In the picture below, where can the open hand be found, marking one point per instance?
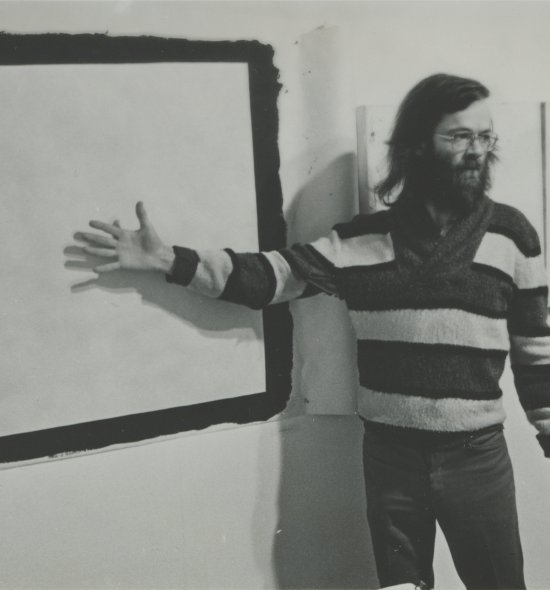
(140, 249)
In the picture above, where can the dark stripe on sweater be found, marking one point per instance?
(533, 394)
(315, 258)
(528, 313)
(534, 292)
(405, 348)
(376, 223)
(185, 266)
(532, 385)
(544, 441)
(310, 291)
(251, 282)
(311, 266)
(446, 303)
(532, 372)
(378, 267)
(492, 271)
(390, 288)
(397, 367)
(530, 331)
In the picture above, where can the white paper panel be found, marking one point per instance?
(88, 141)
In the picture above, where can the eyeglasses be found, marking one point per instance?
(463, 140)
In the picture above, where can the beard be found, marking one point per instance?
(450, 186)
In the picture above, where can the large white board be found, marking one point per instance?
(88, 141)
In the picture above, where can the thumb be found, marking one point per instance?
(141, 215)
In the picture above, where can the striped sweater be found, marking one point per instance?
(435, 317)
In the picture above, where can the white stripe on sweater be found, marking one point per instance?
(366, 250)
(501, 253)
(530, 350)
(432, 326)
(328, 246)
(497, 251)
(444, 415)
(288, 286)
(530, 272)
(212, 273)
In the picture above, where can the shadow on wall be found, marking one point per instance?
(212, 318)
(327, 198)
(324, 375)
(322, 539)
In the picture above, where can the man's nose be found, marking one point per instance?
(475, 147)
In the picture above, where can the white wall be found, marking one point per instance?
(277, 505)
(261, 506)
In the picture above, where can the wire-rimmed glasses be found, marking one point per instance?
(462, 140)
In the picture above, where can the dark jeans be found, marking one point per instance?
(462, 480)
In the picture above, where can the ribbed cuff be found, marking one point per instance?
(544, 441)
(185, 266)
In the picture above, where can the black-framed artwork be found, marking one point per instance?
(92, 123)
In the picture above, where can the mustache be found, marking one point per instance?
(472, 163)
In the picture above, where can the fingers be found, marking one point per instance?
(141, 215)
(107, 267)
(109, 228)
(101, 245)
(98, 239)
(105, 252)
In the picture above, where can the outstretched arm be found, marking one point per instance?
(252, 279)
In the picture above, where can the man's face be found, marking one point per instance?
(461, 172)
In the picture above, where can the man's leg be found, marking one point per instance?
(401, 521)
(475, 504)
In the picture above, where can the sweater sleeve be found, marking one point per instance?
(530, 335)
(262, 278)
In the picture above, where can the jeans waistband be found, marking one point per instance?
(428, 437)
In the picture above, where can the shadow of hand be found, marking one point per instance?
(211, 316)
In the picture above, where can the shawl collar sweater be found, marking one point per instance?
(435, 316)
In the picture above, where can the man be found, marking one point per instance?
(440, 286)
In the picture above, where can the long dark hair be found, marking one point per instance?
(416, 119)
